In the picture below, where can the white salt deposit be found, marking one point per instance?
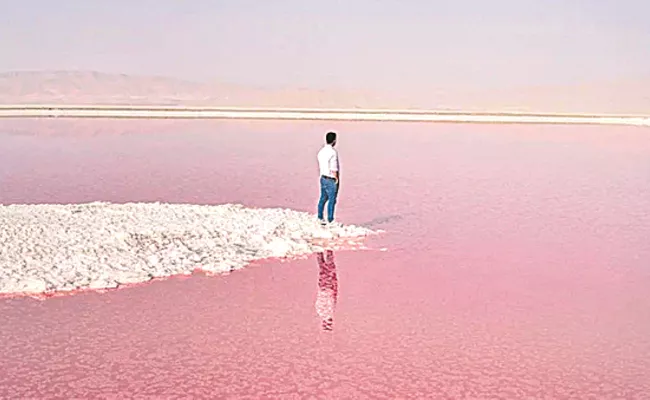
(48, 248)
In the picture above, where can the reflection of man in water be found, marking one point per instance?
(327, 288)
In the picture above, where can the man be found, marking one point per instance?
(328, 163)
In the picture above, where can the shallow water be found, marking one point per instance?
(516, 266)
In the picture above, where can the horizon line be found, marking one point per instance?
(296, 113)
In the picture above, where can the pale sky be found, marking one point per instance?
(366, 44)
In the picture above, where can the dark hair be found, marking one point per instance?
(330, 137)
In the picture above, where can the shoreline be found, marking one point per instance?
(314, 114)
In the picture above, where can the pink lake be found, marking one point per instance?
(516, 265)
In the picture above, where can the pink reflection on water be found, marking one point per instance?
(517, 267)
(328, 288)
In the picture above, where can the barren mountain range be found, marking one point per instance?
(81, 87)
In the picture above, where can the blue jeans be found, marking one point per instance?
(328, 191)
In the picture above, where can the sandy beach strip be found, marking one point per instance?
(179, 112)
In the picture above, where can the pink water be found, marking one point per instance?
(517, 266)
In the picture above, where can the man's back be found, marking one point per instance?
(328, 160)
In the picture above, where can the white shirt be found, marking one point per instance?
(328, 160)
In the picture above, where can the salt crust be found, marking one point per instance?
(51, 248)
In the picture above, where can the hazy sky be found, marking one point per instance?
(385, 44)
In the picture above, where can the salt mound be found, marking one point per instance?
(47, 248)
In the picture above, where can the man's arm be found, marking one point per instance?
(334, 167)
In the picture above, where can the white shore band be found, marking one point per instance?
(51, 248)
(117, 111)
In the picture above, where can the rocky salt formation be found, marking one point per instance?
(50, 248)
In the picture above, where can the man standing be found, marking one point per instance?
(328, 163)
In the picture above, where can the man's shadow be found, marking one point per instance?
(327, 288)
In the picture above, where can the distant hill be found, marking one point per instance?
(621, 96)
(66, 87)
(73, 87)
